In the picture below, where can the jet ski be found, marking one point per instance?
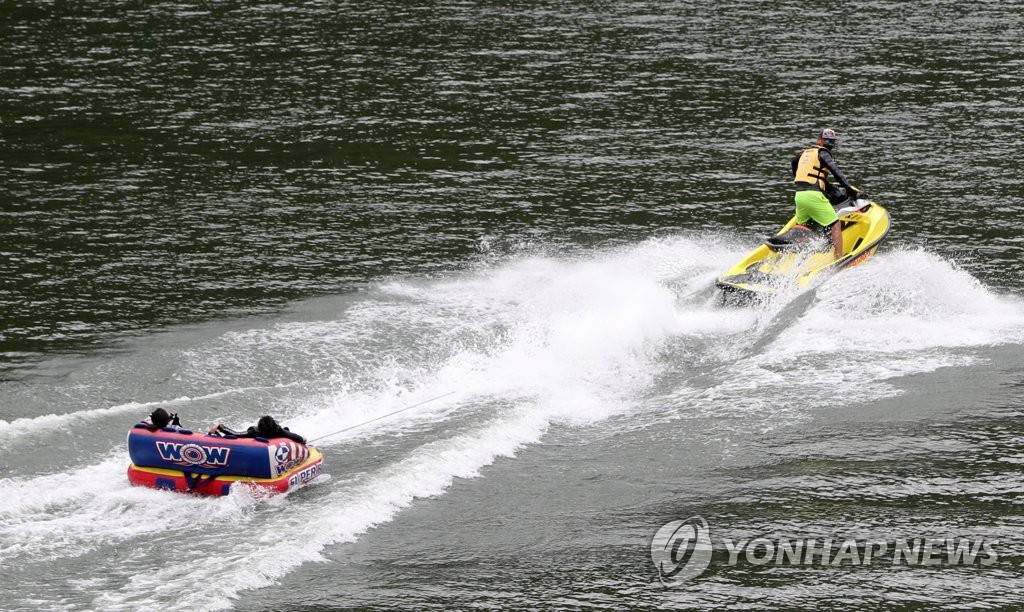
(798, 256)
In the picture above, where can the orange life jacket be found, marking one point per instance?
(809, 168)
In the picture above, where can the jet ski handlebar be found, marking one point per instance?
(852, 204)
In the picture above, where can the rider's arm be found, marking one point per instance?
(826, 158)
(219, 429)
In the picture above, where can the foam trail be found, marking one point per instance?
(70, 514)
(906, 301)
(904, 312)
(528, 344)
(577, 333)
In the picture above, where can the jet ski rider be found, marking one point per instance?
(810, 172)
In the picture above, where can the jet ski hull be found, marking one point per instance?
(770, 269)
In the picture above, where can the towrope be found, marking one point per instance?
(681, 550)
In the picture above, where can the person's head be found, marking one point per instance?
(160, 418)
(827, 138)
(267, 425)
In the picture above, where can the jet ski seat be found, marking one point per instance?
(797, 238)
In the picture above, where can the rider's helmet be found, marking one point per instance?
(827, 137)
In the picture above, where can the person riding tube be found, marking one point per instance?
(266, 427)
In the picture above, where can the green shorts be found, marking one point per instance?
(813, 204)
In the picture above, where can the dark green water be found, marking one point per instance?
(333, 209)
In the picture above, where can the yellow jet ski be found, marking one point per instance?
(798, 256)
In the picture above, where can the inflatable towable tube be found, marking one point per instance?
(180, 460)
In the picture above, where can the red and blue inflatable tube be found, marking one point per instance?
(181, 460)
